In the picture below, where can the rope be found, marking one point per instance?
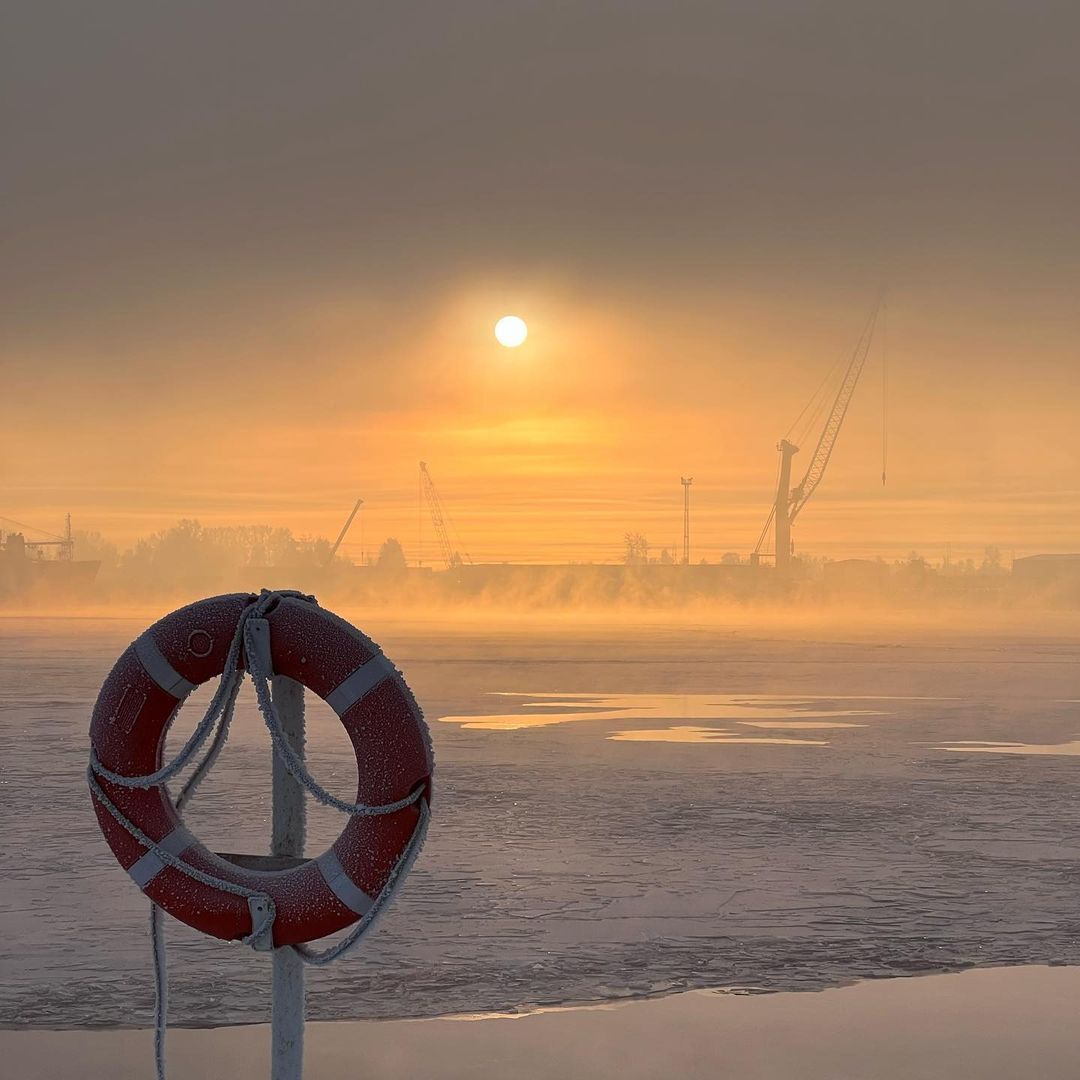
(284, 750)
(31, 528)
(218, 720)
(816, 403)
(196, 778)
(884, 394)
(397, 876)
(178, 864)
(223, 698)
(772, 509)
(161, 987)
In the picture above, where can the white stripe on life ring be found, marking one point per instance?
(341, 885)
(150, 865)
(362, 681)
(159, 669)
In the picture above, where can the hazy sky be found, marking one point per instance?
(253, 252)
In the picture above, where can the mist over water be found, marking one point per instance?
(169, 568)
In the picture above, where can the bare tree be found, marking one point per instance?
(636, 549)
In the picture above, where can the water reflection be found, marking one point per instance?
(759, 711)
(706, 735)
(973, 746)
(801, 725)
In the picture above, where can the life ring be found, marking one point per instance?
(139, 700)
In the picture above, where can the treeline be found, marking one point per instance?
(189, 560)
(189, 555)
(189, 549)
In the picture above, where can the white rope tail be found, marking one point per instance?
(253, 636)
(161, 987)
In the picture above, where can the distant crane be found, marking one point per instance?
(441, 520)
(344, 530)
(790, 500)
(65, 543)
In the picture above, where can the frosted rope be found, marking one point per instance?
(397, 876)
(161, 988)
(295, 765)
(220, 714)
(226, 691)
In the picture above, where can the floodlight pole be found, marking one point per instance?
(287, 1009)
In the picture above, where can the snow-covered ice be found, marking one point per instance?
(722, 810)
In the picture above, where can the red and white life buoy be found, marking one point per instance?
(331, 658)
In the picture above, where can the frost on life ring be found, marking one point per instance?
(331, 658)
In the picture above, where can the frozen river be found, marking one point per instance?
(620, 811)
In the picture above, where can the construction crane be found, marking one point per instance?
(789, 500)
(441, 520)
(344, 530)
(65, 543)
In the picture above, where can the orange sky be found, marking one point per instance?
(552, 451)
(254, 257)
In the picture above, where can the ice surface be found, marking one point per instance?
(564, 865)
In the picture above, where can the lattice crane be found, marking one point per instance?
(790, 500)
(440, 519)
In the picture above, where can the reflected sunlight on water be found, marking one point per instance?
(1065, 749)
(763, 711)
(705, 735)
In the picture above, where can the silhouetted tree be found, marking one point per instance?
(391, 558)
(193, 556)
(312, 551)
(92, 545)
(252, 545)
(636, 549)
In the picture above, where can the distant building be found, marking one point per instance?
(1046, 571)
(855, 575)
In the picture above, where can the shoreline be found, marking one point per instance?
(582, 1005)
(993, 1023)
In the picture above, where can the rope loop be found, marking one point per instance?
(249, 650)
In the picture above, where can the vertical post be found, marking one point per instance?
(686, 482)
(287, 1010)
(782, 520)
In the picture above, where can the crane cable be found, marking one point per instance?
(884, 393)
(814, 405)
(33, 529)
(772, 510)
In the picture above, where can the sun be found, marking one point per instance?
(511, 331)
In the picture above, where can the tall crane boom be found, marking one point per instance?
(801, 493)
(439, 519)
(344, 531)
(789, 500)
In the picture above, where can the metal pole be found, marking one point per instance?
(686, 482)
(287, 1010)
(782, 510)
